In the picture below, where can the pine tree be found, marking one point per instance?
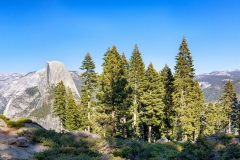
(72, 112)
(168, 79)
(152, 100)
(136, 72)
(222, 117)
(124, 114)
(59, 104)
(88, 89)
(112, 86)
(195, 110)
(183, 95)
(210, 119)
(229, 103)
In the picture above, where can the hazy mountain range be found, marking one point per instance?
(31, 95)
(213, 83)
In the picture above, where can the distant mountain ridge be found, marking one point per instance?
(213, 83)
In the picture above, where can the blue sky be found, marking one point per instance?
(35, 31)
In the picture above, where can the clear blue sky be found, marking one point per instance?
(35, 31)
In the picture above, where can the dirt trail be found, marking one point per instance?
(9, 131)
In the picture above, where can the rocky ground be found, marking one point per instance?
(14, 145)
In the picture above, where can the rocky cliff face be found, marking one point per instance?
(31, 95)
(213, 83)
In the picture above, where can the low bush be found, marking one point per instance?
(202, 149)
(64, 146)
(19, 123)
(131, 149)
(225, 138)
(4, 118)
(230, 152)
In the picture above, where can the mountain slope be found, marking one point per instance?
(213, 83)
(31, 95)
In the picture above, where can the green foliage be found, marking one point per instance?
(230, 152)
(168, 79)
(62, 146)
(202, 149)
(72, 113)
(225, 138)
(59, 104)
(88, 92)
(152, 113)
(130, 149)
(229, 103)
(136, 75)
(187, 96)
(19, 123)
(32, 91)
(4, 118)
(112, 91)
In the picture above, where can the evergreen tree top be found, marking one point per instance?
(88, 63)
(124, 57)
(135, 48)
(184, 62)
(150, 66)
(136, 63)
(184, 46)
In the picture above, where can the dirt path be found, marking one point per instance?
(9, 131)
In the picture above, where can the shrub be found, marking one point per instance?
(225, 138)
(230, 152)
(64, 146)
(4, 118)
(203, 149)
(19, 123)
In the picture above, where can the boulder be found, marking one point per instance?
(162, 140)
(85, 135)
(9, 140)
(29, 127)
(2, 123)
(2, 135)
(22, 142)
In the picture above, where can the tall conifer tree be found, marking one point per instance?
(210, 119)
(124, 114)
(152, 100)
(184, 93)
(59, 104)
(136, 72)
(89, 77)
(230, 104)
(112, 85)
(72, 112)
(168, 79)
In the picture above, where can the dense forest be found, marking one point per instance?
(129, 100)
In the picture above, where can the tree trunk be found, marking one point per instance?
(61, 127)
(229, 125)
(149, 133)
(113, 123)
(135, 104)
(124, 128)
(134, 119)
(89, 105)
